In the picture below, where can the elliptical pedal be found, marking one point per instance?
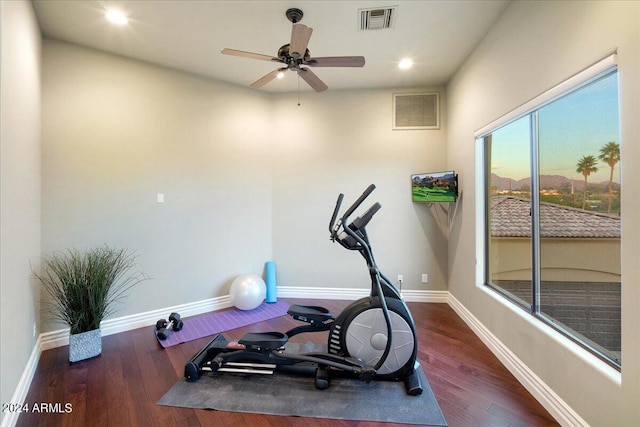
(264, 340)
(310, 313)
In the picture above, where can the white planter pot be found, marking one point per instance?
(85, 345)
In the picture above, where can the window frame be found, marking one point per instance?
(599, 70)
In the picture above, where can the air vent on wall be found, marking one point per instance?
(377, 18)
(416, 111)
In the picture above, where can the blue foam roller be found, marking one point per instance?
(270, 273)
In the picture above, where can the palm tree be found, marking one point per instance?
(610, 154)
(586, 165)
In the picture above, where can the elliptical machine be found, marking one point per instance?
(373, 338)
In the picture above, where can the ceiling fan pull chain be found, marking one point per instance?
(298, 89)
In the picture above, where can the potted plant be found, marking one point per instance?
(83, 287)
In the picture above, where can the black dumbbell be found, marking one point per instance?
(164, 328)
(174, 318)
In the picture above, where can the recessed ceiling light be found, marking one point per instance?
(405, 63)
(280, 75)
(117, 17)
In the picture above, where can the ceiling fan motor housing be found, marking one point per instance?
(285, 57)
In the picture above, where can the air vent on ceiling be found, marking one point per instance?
(377, 18)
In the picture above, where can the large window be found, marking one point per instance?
(552, 211)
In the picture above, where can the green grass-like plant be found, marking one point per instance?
(84, 285)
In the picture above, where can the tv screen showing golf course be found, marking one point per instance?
(435, 187)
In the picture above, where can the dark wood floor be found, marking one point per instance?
(121, 386)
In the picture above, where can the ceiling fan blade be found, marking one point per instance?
(300, 36)
(336, 61)
(251, 55)
(312, 80)
(266, 79)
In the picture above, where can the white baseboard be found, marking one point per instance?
(425, 296)
(60, 337)
(545, 395)
(21, 391)
(540, 391)
(321, 293)
(353, 294)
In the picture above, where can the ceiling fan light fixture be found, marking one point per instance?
(116, 17)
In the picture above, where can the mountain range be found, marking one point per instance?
(550, 182)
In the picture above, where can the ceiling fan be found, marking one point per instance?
(295, 54)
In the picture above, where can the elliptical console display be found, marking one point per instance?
(374, 338)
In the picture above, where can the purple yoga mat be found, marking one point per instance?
(214, 323)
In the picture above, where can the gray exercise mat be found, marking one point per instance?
(283, 394)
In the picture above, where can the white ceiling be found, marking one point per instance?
(188, 35)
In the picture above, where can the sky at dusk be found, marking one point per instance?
(576, 125)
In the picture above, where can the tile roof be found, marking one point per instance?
(510, 217)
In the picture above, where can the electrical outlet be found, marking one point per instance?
(425, 278)
(35, 329)
(400, 279)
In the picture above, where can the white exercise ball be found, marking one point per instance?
(248, 291)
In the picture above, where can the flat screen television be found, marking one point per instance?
(435, 187)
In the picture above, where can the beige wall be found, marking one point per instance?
(20, 188)
(341, 141)
(533, 47)
(116, 133)
(247, 177)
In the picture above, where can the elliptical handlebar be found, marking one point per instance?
(334, 227)
(358, 202)
(335, 213)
